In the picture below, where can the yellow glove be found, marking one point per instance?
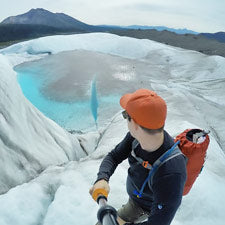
(101, 187)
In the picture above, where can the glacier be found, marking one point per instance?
(46, 171)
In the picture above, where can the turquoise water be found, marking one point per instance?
(75, 115)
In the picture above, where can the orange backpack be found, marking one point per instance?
(193, 143)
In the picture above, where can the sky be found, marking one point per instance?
(196, 15)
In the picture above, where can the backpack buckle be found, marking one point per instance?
(146, 165)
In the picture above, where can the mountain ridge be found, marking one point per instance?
(159, 28)
(219, 36)
(40, 22)
(198, 43)
(44, 17)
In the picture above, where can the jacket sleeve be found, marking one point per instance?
(168, 192)
(115, 157)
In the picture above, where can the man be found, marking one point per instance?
(145, 112)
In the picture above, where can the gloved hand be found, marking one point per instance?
(101, 187)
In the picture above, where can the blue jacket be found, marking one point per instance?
(165, 197)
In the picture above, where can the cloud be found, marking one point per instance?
(157, 8)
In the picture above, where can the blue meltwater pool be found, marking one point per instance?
(72, 115)
(76, 89)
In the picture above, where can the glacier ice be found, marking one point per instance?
(46, 171)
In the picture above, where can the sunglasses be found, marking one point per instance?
(126, 115)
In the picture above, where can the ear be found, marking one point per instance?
(135, 125)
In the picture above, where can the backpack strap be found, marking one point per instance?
(159, 162)
(145, 164)
(171, 153)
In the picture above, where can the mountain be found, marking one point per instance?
(40, 22)
(219, 36)
(44, 17)
(194, 42)
(158, 28)
(12, 32)
(161, 28)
